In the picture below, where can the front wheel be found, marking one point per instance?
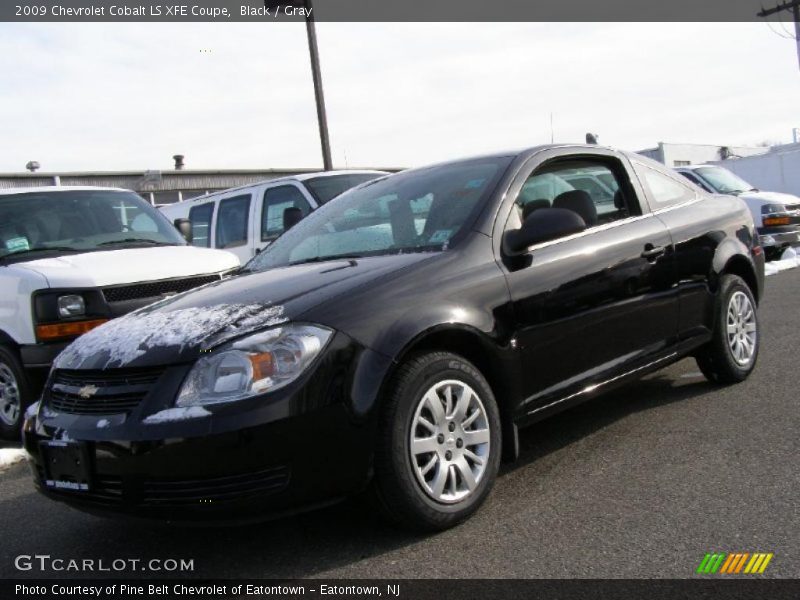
(440, 444)
(14, 396)
(731, 354)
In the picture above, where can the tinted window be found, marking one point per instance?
(326, 188)
(414, 211)
(200, 216)
(80, 220)
(590, 188)
(277, 200)
(664, 189)
(233, 218)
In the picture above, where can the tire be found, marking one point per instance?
(461, 462)
(723, 360)
(15, 395)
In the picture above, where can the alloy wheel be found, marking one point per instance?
(9, 396)
(449, 441)
(741, 328)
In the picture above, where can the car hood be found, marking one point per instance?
(177, 329)
(129, 265)
(769, 198)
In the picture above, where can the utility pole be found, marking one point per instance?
(786, 6)
(316, 73)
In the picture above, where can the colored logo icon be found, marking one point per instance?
(722, 563)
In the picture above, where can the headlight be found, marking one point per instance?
(768, 209)
(258, 363)
(71, 306)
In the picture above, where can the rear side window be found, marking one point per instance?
(200, 216)
(664, 190)
(232, 221)
(277, 200)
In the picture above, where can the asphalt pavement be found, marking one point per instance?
(638, 483)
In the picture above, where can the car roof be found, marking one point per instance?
(299, 177)
(58, 188)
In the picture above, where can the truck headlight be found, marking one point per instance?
(259, 363)
(71, 306)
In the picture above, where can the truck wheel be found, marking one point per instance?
(439, 442)
(731, 354)
(14, 395)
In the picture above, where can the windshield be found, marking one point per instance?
(328, 187)
(81, 220)
(723, 181)
(412, 211)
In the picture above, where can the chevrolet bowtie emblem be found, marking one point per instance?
(87, 391)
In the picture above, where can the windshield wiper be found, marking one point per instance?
(317, 259)
(135, 240)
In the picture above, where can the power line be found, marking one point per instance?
(792, 6)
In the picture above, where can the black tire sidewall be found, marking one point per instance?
(397, 481)
(9, 358)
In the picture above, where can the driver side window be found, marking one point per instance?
(591, 188)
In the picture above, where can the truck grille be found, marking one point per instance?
(99, 392)
(154, 289)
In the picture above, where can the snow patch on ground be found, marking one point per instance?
(177, 414)
(776, 266)
(122, 340)
(11, 456)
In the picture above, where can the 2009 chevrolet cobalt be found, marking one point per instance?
(398, 337)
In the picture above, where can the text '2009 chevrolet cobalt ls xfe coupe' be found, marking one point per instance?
(398, 337)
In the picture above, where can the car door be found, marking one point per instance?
(232, 225)
(275, 200)
(594, 305)
(695, 229)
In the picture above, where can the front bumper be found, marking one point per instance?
(779, 237)
(301, 446)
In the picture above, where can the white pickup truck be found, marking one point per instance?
(72, 258)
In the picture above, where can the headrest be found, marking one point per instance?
(580, 202)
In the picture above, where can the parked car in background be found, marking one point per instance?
(71, 258)
(776, 215)
(398, 337)
(244, 220)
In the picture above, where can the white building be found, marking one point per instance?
(776, 171)
(680, 155)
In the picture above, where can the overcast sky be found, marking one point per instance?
(119, 96)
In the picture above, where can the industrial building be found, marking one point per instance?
(681, 155)
(157, 187)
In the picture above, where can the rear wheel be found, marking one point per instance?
(14, 395)
(731, 354)
(439, 448)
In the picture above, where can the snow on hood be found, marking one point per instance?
(120, 342)
(130, 265)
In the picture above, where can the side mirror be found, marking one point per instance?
(185, 227)
(542, 225)
(291, 217)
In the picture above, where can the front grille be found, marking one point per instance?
(219, 489)
(99, 392)
(154, 289)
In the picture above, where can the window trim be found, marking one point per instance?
(272, 238)
(197, 207)
(222, 201)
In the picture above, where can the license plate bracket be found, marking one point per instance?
(66, 466)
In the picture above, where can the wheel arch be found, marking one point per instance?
(497, 364)
(740, 266)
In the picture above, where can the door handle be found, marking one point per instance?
(651, 252)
